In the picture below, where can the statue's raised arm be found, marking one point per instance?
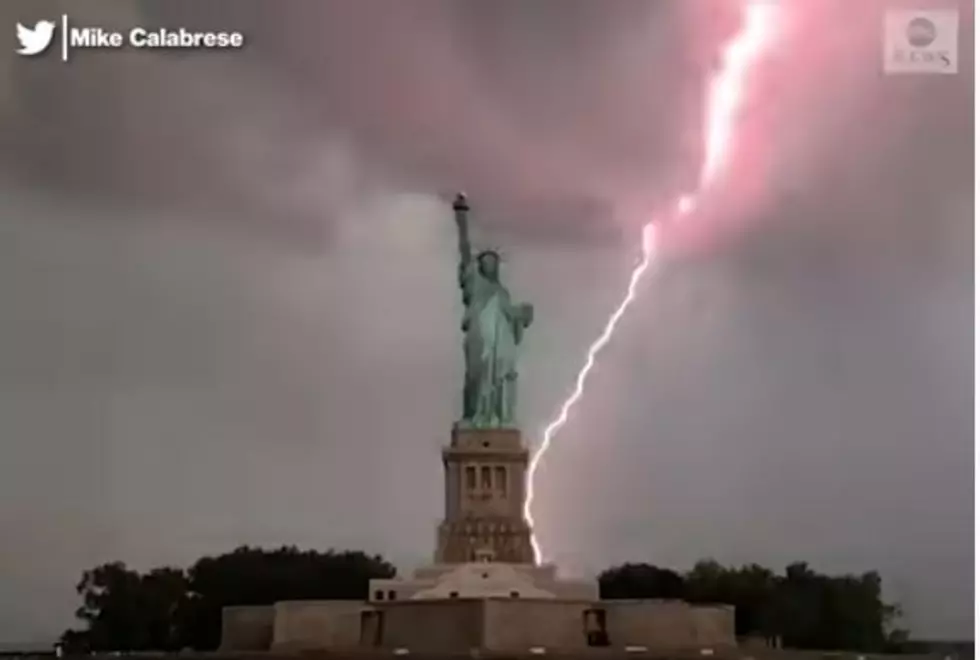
(461, 207)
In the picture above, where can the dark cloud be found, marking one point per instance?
(548, 112)
(229, 287)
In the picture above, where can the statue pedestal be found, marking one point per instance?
(486, 471)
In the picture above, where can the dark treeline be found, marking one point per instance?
(805, 609)
(170, 608)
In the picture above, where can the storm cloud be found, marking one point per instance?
(230, 313)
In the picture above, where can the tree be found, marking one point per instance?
(640, 581)
(806, 609)
(163, 593)
(250, 576)
(127, 611)
(752, 589)
(168, 608)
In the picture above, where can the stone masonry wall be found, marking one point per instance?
(247, 627)
(520, 624)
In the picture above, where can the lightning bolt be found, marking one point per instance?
(726, 94)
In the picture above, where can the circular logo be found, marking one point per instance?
(921, 32)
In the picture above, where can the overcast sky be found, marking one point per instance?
(229, 309)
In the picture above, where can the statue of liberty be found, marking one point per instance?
(493, 328)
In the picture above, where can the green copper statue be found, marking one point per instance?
(493, 328)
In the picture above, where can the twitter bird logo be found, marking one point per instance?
(35, 41)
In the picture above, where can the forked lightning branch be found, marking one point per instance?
(37, 39)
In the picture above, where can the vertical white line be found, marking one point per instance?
(64, 37)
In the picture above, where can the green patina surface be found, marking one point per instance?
(493, 328)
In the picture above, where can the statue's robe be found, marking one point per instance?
(492, 330)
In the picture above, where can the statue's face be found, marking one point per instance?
(489, 265)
